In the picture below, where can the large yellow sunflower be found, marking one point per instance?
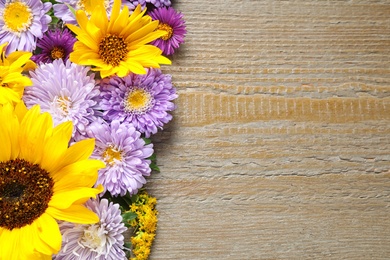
(12, 81)
(119, 44)
(41, 180)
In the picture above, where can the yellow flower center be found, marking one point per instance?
(57, 53)
(137, 101)
(168, 29)
(17, 16)
(25, 191)
(113, 49)
(63, 104)
(94, 238)
(110, 155)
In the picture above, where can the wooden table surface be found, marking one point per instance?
(280, 145)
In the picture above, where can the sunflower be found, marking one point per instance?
(117, 44)
(12, 81)
(41, 180)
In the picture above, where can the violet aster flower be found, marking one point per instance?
(100, 241)
(173, 23)
(22, 22)
(66, 91)
(158, 3)
(55, 44)
(143, 100)
(150, 4)
(125, 154)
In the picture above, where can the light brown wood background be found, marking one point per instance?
(280, 145)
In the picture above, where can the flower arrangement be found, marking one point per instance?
(81, 94)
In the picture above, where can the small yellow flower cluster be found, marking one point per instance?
(145, 225)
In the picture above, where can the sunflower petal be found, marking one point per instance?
(49, 234)
(76, 213)
(63, 200)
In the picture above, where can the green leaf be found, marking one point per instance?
(154, 167)
(147, 140)
(128, 216)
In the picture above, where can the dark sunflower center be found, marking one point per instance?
(113, 49)
(25, 191)
(57, 53)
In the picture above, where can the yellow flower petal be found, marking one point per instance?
(49, 234)
(127, 34)
(78, 174)
(63, 200)
(76, 214)
(56, 146)
(33, 131)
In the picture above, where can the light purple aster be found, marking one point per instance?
(125, 154)
(66, 91)
(62, 11)
(100, 241)
(55, 44)
(158, 3)
(150, 4)
(173, 23)
(22, 22)
(143, 100)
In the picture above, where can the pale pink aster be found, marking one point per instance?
(66, 91)
(125, 154)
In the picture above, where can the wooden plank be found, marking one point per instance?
(279, 147)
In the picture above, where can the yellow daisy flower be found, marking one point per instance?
(119, 44)
(12, 82)
(42, 180)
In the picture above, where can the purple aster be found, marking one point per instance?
(158, 3)
(22, 22)
(62, 11)
(66, 91)
(143, 100)
(173, 23)
(100, 241)
(125, 154)
(55, 44)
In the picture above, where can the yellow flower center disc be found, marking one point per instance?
(17, 16)
(168, 29)
(25, 191)
(113, 49)
(137, 101)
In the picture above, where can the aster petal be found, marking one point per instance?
(75, 213)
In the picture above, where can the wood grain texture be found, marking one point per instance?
(280, 144)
